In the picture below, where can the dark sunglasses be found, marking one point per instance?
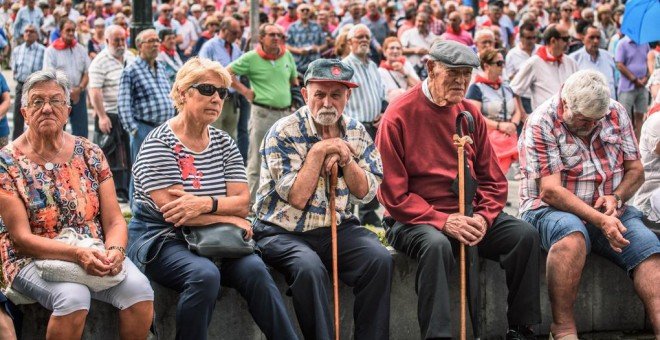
(565, 39)
(208, 90)
(499, 63)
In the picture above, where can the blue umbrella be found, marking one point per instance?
(640, 21)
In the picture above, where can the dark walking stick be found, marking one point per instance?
(460, 141)
(333, 229)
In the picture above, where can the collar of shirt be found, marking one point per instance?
(358, 60)
(146, 65)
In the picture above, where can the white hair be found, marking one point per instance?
(44, 76)
(587, 93)
(112, 30)
(483, 32)
(354, 29)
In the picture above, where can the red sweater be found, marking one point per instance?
(420, 162)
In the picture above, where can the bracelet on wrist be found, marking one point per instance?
(119, 248)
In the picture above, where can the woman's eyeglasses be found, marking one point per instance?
(499, 63)
(208, 90)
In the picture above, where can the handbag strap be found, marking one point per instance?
(504, 108)
(166, 233)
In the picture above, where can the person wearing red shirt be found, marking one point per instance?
(420, 166)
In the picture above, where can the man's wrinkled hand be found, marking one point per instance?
(613, 230)
(465, 229)
(607, 205)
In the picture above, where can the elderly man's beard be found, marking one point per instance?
(575, 130)
(326, 116)
(116, 52)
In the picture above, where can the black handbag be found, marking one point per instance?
(221, 240)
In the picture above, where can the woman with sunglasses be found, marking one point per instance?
(189, 173)
(498, 106)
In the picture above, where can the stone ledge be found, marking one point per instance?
(606, 302)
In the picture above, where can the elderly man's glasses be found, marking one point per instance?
(55, 103)
(208, 90)
(152, 41)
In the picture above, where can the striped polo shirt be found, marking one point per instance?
(104, 73)
(366, 100)
(164, 161)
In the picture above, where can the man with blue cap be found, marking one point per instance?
(420, 159)
(292, 225)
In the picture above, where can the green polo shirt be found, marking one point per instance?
(269, 79)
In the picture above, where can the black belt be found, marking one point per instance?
(152, 124)
(271, 107)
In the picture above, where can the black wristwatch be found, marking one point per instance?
(214, 206)
(619, 201)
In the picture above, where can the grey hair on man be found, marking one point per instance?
(482, 33)
(587, 93)
(140, 36)
(355, 29)
(113, 29)
(45, 76)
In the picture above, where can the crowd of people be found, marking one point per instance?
(203, 123)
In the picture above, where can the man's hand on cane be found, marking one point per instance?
(465, 229)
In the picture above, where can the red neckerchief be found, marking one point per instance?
(165, 22)
(487, 23)
(266, 56)
(386, 65)
(543, 53)
(59, 44)
(467, 27)
(373, 17)
(183, 21)
(494, 84)
(207, 34)
(169, 52)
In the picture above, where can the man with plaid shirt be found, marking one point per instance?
(581, 164)
(144, 92)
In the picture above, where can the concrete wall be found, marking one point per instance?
(606, 302)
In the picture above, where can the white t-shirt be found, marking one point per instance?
(412, 39)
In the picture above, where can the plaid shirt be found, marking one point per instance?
(283, 154)
(144, 95)
(588, 170)
(26, 60)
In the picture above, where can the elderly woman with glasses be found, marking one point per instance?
(499, 107)
(397, 73)
(189, 173)
(51, 180)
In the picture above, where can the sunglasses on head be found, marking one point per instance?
(208, 90)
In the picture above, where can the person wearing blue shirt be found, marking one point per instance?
(28, 14)
(5, 100)
(594, 58)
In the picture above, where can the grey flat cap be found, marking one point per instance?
(453, 54)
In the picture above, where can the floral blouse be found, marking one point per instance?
(66, 196)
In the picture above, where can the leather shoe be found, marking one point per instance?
(520, 334)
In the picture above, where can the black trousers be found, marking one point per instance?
(511, 242)
(367, 212)
(305, 259)
(19, 121)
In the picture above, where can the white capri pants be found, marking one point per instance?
(66, 297)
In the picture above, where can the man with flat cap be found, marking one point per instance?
(422, 220)
(293, 220)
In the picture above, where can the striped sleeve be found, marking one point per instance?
(234, 168)
(539, 152)
(156, 166)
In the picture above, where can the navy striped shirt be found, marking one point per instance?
(164, 161)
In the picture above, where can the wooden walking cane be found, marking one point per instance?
(333, 229)
(460, 142)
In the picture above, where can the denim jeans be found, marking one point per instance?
(78, 116)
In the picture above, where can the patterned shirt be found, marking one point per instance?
(588, 170)
(104, 73)
(66, 196)
(283, 152)
(366, 100)
(301, 36)
(144, 94)
(26, 60)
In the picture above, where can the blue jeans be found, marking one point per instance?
(136, 142)
(553, 225)
(198, 281)
(78, 116)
